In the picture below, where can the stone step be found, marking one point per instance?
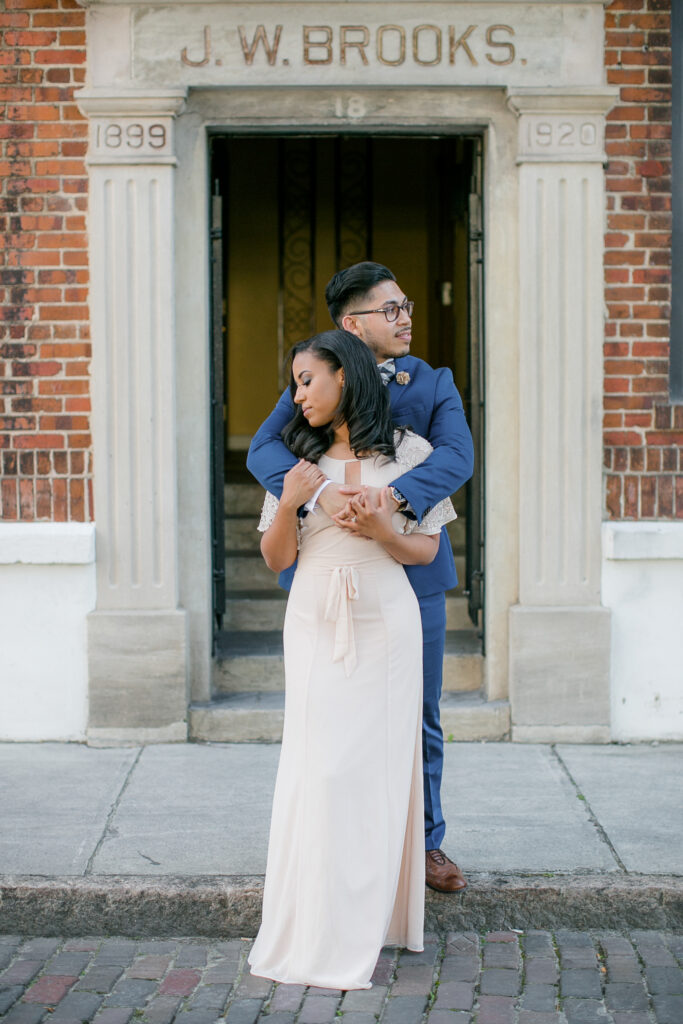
(468, 716)
(257, 717)
(256, 610)
(457, 616)
(243, 499)
(246, 570)
(253, 662)
(241, 533)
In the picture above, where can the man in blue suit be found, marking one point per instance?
(366, 300)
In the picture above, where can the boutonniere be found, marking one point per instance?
(403, 377)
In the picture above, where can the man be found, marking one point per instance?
(366, 300)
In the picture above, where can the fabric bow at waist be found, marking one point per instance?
(342, 589)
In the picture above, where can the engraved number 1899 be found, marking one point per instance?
(115, 135)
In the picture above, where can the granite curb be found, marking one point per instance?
(230, 906)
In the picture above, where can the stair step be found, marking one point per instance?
(247, 570)
(243, 499)
(256, 610)
(457, 615)
(456, 531)
(252, 661)
(257, 717)
(467, 716)
(241, 533)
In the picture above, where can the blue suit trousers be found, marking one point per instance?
(433, 612)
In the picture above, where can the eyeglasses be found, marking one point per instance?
(391, 311)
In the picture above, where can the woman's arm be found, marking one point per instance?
(374, 520)
(278, 543)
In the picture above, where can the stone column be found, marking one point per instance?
(559, 632)
(137, 651)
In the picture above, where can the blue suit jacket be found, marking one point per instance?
(431, 406)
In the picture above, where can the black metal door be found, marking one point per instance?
(475, 489)
(217, 409)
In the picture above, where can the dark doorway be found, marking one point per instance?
(287, 212)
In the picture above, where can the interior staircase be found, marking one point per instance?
(247, 705)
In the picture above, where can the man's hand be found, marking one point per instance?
(301, 483)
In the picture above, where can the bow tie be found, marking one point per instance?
(387, 370)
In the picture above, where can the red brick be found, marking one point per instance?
(631, 490)
(8, 493)
(59, 502)
(623, 366)
(179, 982)
(625, 76)
(637, 419)
(49, 990)
(617, 257)
(652, 276)
(648, 492)
(650, 348)
(623, 113)
(60, 20)
(650, 131)
(63, 312)
(665, 497)
(38, 441)
(79, 440)
(613, 496)
(623, 437)
(63, 387)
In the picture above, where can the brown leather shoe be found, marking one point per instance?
(442, 874)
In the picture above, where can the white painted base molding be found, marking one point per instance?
(642, 583)
(47, 589)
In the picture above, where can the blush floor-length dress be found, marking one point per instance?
(346, 860)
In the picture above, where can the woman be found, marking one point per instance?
(345, 870)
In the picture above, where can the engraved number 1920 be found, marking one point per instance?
(115, 135)
(563, 134)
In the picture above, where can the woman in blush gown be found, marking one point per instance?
(345, 872)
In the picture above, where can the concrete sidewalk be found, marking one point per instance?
(172, 839)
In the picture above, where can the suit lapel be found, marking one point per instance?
(398, 392)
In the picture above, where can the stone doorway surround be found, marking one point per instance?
(548, 637)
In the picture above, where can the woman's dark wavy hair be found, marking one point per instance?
(364, 405)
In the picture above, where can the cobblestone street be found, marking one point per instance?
(535, 977)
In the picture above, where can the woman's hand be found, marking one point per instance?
(368, 514)
(301, 483)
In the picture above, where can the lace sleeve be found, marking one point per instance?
(413, 450)
(270, 507)
(270, 504)
(436, 518)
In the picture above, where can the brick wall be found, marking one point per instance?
(643, 433)
(45, 448)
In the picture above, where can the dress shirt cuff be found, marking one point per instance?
(311, 503)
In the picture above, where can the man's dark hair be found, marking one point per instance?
(349, 286)
(364, 405)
